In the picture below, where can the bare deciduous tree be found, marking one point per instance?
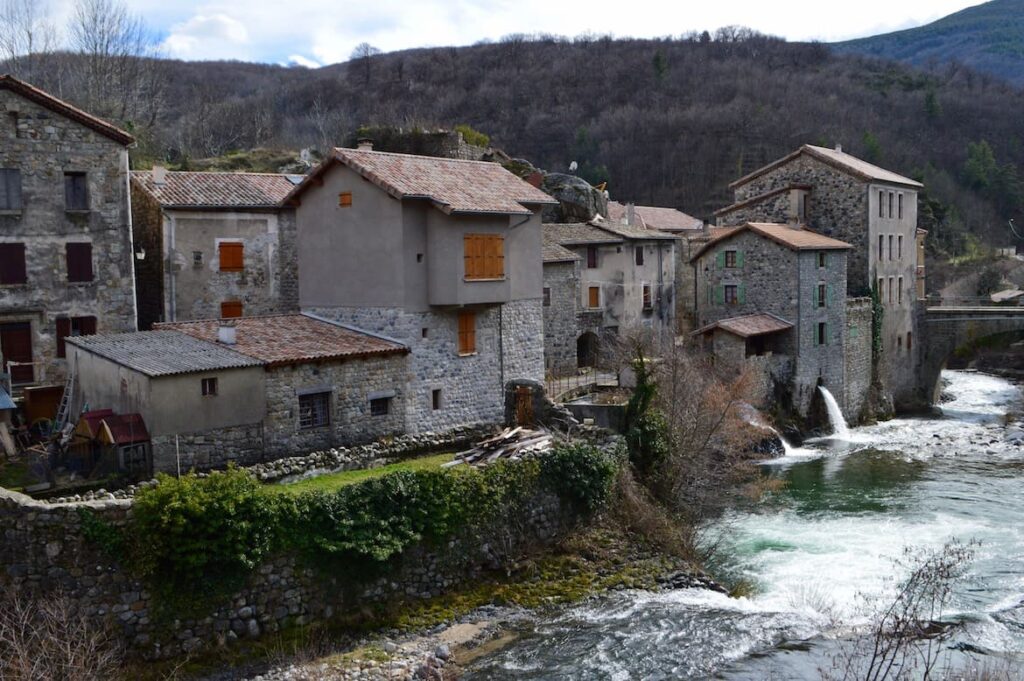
(363, 56)
(26, 35)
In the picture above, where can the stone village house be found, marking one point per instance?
(65, 233)
(872, 209)
(773, 298)
(214, 392)
(440, 255)
(213, 245)
(601, 277)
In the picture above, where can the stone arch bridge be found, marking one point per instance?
(942, 330)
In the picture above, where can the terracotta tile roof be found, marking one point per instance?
(291, 339)
(186, 189)
(553, 251)
(839, 160)
(749, 325)
(124, 429)
(32, 93)
(656, 217)
(796, 238)
(578, 233)
(162, 353)
(452, 185)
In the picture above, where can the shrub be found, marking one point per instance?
(474, 137)
(580, 475)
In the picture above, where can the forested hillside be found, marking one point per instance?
(665, 122)
(988, 38)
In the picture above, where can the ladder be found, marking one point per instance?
(65, 404)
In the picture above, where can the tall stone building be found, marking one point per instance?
(872, 209)
(65, 231)
(213, 245)
(441, 255)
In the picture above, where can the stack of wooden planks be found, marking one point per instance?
(511, 443)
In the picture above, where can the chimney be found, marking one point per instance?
(159, 176)
(839, 147)
(630, 214)
(226, 333)
(364, 144)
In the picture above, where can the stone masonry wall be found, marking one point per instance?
(287, 260)
(242, 445)
(147, 232)
(775, 208)
(560, 327)
(43, 548)
(820, 363)
(43, 146)
(857, 357)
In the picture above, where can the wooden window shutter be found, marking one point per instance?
(720, 295)
(79, 261)
(345, 199)
(720, 260)
(484, 256)
(76, 194)
(741, 294)
(230, 309)
(232, 256)
(467, 333)
(63, 331)
(87, 326)
(10, 189)
(594, 296)
(739, 258)
(12, 264)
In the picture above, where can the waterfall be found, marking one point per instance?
(754, 418)
(787, 449)
(835, 415)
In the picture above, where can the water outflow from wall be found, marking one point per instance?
(787, 448)
(835, 415)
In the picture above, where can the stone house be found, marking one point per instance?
(625, 278)
(65, 232)
(440, 255)
(213, 245)
(872, 209)
(774, 296)
(247, 390)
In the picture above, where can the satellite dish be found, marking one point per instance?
(573, 166)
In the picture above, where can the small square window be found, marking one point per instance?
(424, 332)
(230, 309)
(345, 199)
(435, 398)
(647, 301)
(639, 255)
(547, 297)
(731, 294)
(419, 257)
(591, 257)
(314, 410)
(822, 259)
(209, 387)
(379, 406)
(730, 258)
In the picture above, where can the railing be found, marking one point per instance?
(560, 388)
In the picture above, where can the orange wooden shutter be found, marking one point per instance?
(231, 256)
(595, 296)
(345, 199)
(484, 256)
(231, 308)
(467, 333)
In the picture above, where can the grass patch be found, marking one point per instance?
(16, 475)
(333, 481)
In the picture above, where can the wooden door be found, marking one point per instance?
(16, 346)
(524, 406)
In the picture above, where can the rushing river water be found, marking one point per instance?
(822, 558)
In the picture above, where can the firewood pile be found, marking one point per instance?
(511, 443)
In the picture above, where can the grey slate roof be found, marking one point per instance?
(162, 353)
(574, 233)
(553, 251)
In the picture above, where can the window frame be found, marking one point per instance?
(78, 257)
(319, 404)
(734, 290)
(76, 191)
(822, 295)
(593, 301)
(638, 256)
(821, 336)
(731, 258)
(10, 186)
(899, 290)
(16, 274)
(822, 259)
(236, 251)
(891, 199)
(436, 399)
(881, 247)
(591, 257)
(483, 257)
(209, 386)
(227, 305)
(899, 247)
(899, 204)
(546, 296)
(881, 203)
(72, 327)
(466, 333)
(646, 297)
(380, 406)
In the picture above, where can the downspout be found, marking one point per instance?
(172, 311)
(501, 350)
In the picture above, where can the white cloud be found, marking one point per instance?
(208, 36)
(299, 60)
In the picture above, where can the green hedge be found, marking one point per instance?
(193, 540)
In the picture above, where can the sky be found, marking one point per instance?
(318, 32)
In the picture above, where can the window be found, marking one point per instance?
(16, 346)
(209, 386)
(890, 204)
(435, 398)
(910, 337)
(484, 255)
(899, 246)
(899, 203)
(899, 291)
(730, 258)
(379, 406)
(801, 206)
(12, 264)
(10, 189)
(881, 204)
(899, 342)
(345, 199)
(822, 335)
(647, 297)
(822, 294)
(822, 259)
(881, 246)
(424, 332)
(594, 296)
(232, 256)
(230, 309)
(892, 285)
(638, 254)
(467, 333)
(731, 297)
(881, 289)
(547, 297)
(197, 258)
(591, 257)
(73, 326)
(419, 257)
(79, 261)
(76, 192)
(890, 247)
(315, 410)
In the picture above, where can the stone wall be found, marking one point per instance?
(43, 146)
(43, 548)
(857, 358)
(509, 345)
(820, 363)
(775, 207)
(147, 231)
(560, 317)
(241, 445)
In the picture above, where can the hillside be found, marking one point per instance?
(665, 122)
(988, 38)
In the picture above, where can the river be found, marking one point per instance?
(822, 555)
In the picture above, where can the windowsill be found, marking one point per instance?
(78, 211)
(23, 284)
(230, 271)
(306, 429)
(475, 279)
(11, 212)
(82, 284)
(468, 354)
